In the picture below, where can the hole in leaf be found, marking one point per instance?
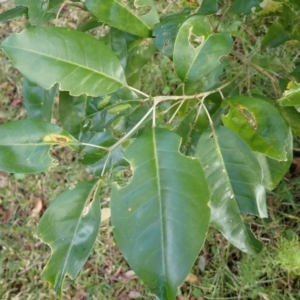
(194, 40)
(137, 9)
(143, 10)
(248, 115)
(88, 204)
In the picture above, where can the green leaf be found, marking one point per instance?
(124, 16)
(78, 62)
(72, 112)
(36, 9)
(245, 7)
(70, 227)
(116, 41)
(274, 170)
(137, 58)
(292, 116)
(259, 124)
(166, 31)
(25, 145)
(13, 13)
(89, 24)
(208, 7)
(38, 101)
(291, 97)
(275, 36)
(197, 52)
(103, 119)
(161, 217)
(234, 178)
(92, 154)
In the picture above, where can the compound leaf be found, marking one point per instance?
(70, 226)
(259, 124)
(234, 178)
(161, 217)
(25, 145)
(78, 62)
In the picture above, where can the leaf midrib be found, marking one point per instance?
(65, 61)
(220, 155)
(155, 152)
(63, 270)
(134, 15)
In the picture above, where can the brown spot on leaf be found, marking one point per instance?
(56, 138)
(249, 116)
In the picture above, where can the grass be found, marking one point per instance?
(220, 272)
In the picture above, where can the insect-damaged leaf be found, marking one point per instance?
(25, 145)
(159, 213)
(259, 124)
(291, 96)
(234, 178)
(78, 62)
(274, 170)
(70, 226)
(197, 51)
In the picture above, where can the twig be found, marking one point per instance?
(273, 80)
(138, 91)
(129, 133)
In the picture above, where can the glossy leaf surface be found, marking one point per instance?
(70, 226)
(38, 101)
(259, 124)
(25, 145)
(78, 62)
(197, 52)
(161, 210)
(72, 112)
(234, 178)
(118, 14)
(274, 170)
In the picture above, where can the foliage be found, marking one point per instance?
(203, 153)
